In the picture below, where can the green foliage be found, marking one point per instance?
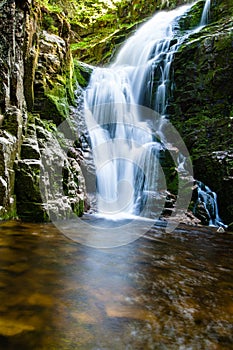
(94, 22)
(79, 12)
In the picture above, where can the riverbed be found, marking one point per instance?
(162, 291)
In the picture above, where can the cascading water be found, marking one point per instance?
(206, 13)
(208, 199)
(126, 154)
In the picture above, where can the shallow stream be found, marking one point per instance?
(163, 291)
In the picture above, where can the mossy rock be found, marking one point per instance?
(32, 212)
(82, 73)
(27, 185)
(192, 18)
(169, 170)
(78, 207)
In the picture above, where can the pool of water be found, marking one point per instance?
(162, 291)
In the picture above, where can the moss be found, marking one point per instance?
(192, 18)
(61, 106)
(100, 47)
(48, 125)
(9, 212)
(32, 212)
(49, 24)
(82, 73)
(170, 172)
(78, 207)
(58, 96)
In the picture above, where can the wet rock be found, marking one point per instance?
(62, 186)
(36, 76)
(30, 149)
(202, 104)
(202, 213)
(13, 121)
(27, 186)
(51, 98)
(3, 191)
(215, 169)
(12, 101)
(8, 151)
(220, 230)
(49, 184)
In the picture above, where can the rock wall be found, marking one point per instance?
(202, 103)
(12, 102)
(36, 91)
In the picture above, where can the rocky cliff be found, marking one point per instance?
(37, 80)
(202, 104)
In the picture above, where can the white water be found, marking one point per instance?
(125, 154)
(209, 200)
(129, 178)
(206, 13)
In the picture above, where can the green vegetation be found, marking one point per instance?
(95, 24)
(97, 27)
(192, 18)
(80, 12)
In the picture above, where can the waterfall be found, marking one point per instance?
(126, 154)
(206, 13)
(125, 141)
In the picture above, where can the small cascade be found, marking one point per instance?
(206, 13)
(206, 205)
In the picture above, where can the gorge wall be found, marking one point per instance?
(38, 77)
(37, 80)
(202, 103)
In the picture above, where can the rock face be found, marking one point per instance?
(12, 103)
(36, 90)
(202, 103)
